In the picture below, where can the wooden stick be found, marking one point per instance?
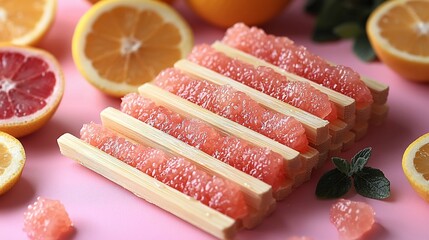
(258, 194)
(148, 188)
(378, 90)
(316, 129)
(293, 159)
(345, 105)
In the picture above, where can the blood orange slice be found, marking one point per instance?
(31, 88)
(299, 94)
(296, 59)
(176, 172)
(236, 106)
(256, 161)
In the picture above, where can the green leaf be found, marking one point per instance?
(348, 30)
(333, 184)
(371, 183)
(360, 159)
(329, 15)
(342, 165)
(363, 49)
(314, 6)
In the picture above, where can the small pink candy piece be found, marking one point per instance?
(46, 219)
(352, 219)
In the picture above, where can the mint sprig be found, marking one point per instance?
(343, 19)
(368, 182)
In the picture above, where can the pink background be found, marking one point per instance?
(103, 210)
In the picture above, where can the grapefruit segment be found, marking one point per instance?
(236, 106)
(31, 88)
(258, 162)
(176, 172)
(47, 219)
(284, 53)
(352, 219)
(299, 94)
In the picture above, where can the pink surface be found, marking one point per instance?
(102, 210)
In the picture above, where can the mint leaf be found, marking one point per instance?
(371, 183)
(342, 165)
(363, 49)
(360, 160)
(333, 184)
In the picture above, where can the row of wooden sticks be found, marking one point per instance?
(326, 139)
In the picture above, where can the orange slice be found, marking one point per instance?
(120, 44)
(12, 160)
(24, 22)
(225, 13)
(31, 88)
(399, 34)
(415, 163)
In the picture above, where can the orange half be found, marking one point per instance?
(120, 44)
(24, 22)
(399, 33)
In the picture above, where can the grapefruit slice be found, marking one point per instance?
(284, 53)
(299, 94)
(47, 219)
(256, 161)
(176, 172)
(31, 88)
(236, 106)
(12, 160)
(25, 23)
(352, 219)
(120, 44)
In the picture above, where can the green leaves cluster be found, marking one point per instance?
(344, 19)
(368, 182)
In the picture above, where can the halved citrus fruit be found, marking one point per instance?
(120, 44)
(24, 22)
(415, 163)
(399, 34)
(12, 160)
(225, 13)
(31, 88)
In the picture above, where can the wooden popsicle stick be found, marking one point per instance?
(148, 188)
(378, 114)
(293, 159)
(345, 105)
(379, 90)
(316, 129)
(258, 194)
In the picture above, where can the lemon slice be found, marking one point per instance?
(120, 44)
(415, 163)
(12, 160)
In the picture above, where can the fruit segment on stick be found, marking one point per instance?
(207, 101)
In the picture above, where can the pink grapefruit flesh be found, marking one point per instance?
(236, 106)
(296, 59)
(176, 172)
(256, 161)
(264, 79)
(352, 219)
(46, 219)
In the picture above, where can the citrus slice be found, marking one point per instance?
(415, 163)
(12, 160)
(399, 34)
(31, 88)
(120, 44)
(225, 13)
(22, 23)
